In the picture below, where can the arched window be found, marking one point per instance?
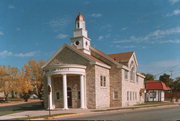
(132, 71)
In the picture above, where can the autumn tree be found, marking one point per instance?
(25, 85)
(8, 80)
(35, 74)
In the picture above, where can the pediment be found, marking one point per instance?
(67, 55)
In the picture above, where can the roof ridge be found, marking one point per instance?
(122, 53)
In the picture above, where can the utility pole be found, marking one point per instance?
(171, 71)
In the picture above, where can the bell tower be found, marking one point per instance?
(80, 37)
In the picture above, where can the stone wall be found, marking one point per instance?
(90, 87)
(115, 86)
(102, 92)
(73, 82)
(70, 58)
(45, 93)
(131, 90)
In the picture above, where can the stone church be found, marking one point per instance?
(80, 76)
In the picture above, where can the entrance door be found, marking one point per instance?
(69, 96)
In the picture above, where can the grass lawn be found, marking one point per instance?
(146, 104)
(44, 116)
(154, 103)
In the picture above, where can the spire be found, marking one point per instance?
(80, 17)
(80, 38)
(80, 22)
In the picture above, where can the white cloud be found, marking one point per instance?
(100, 37)
(96, 15)
(156, 36)
(125, 47)
(62, 36)
(174, 1)
(174, 13)
(18, 29)
(9, 53)
(124, 28)
(6, 53)
(59, 24)
(11, 6)
(1, 33)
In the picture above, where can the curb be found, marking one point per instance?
(58, 116)
(77, 114)
(132, 108)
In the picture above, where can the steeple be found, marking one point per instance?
(80, 38)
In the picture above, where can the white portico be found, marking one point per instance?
(64, 71)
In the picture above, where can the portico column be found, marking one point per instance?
(50, 106)
(82, 91)
(65, 91)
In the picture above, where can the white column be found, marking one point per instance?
(85, 102)
(65, 91)
(82, 91)
(50, 106)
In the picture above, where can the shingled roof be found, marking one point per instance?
(121, 57)
(156, 85)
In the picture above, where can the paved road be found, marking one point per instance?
(155, 114)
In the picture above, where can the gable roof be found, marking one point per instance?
(121, 56)
(80, 52)
(104, 55)
(156, 85)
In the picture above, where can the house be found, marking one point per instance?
(155, 90)
(80, 76)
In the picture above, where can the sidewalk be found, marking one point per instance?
(70, 112)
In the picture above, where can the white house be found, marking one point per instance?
(155, 90)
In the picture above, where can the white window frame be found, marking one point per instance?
(115, 95)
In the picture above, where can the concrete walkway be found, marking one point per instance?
(35, 113)
(26, 114)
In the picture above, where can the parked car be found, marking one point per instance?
(2, 99)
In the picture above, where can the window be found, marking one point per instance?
(103, 81)
(137, 79)
(152, 94)
(130, 96)
(78, 24)
(57, 96)
(127, 95)
(79, 95)
(115, 95)
(132, 72)
(135, 95)
(125, 74)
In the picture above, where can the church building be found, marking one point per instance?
(80, 76)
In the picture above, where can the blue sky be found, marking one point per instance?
(36, 29)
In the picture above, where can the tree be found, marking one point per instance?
(25, 85)
(177, 85)
(35, 74)
(148, 76)
(8, 80)
(167, 80)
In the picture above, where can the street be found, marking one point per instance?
(155, 114)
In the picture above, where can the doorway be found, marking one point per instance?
(69, 96)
